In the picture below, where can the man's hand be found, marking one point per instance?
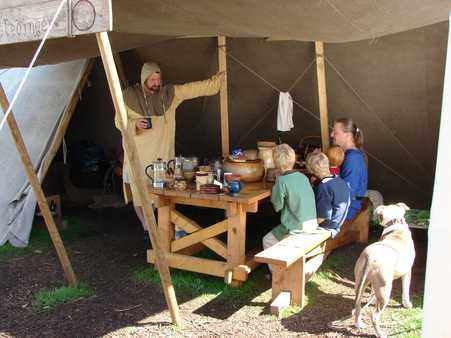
(221, 76)
(142, 124)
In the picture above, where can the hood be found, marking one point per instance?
(147, 70)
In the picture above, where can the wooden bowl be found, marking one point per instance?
(249, 171)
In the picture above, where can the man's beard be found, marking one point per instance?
(155, 89)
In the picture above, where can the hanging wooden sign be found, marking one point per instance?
(28, 20)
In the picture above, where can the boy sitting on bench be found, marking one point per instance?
(332, 194)
(293, 196)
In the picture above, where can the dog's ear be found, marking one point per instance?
(403, 206)
(378, 211)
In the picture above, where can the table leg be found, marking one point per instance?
(236, 238)
(165, 227)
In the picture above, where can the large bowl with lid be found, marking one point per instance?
(249, 171)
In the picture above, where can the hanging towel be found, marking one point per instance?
(285, 112)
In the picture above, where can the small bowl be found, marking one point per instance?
(206, 168)
(188, 175)
(180, 185)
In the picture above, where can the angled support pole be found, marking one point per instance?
(137, 174)
(322, 94)
(37, 189)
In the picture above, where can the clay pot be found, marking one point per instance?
(249, 171)
(266, 154)
(269, 144)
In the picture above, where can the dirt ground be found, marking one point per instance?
(121, 306)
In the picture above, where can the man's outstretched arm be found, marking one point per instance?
(194, 89)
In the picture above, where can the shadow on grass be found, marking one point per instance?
(77, 228)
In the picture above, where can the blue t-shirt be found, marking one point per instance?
(355, 173)
(332, 197)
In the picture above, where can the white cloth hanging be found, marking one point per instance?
(285, 112)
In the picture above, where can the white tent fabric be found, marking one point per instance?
(38, 111)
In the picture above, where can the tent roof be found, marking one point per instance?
(138, 22)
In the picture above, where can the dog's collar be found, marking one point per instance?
(395, 221)
(391, 226)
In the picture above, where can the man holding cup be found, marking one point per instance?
(151, 108)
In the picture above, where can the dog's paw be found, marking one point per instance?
(407, 304)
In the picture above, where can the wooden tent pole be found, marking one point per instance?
(37, 189)
(136, 173)
(223, 97)
(322, 94)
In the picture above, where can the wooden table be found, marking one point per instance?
(236, 264)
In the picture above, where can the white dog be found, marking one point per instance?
(382, 262)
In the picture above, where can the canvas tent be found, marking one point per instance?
(39, 116)
(139, 23)
(390, 85)
(399, 78)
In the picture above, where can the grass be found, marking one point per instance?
(48, 299)
(40, 238)
(193, 284)
(253, 292)
(409, 319)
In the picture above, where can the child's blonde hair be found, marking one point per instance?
(317, 164)
(284, 157)
(336, 156)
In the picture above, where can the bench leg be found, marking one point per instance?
(361, 224)
(291, 279)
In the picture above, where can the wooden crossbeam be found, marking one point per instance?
(199, 236)
(190, 263)
(190, 226)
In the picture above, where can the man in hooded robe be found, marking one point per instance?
(151, 108)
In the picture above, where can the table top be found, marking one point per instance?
(251, 193)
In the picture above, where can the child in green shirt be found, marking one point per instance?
(293, 196)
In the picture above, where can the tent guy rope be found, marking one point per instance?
(382, 163)
(354, 91)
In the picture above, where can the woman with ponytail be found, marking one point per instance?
(354, 169)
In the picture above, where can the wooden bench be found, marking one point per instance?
(295, 258)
